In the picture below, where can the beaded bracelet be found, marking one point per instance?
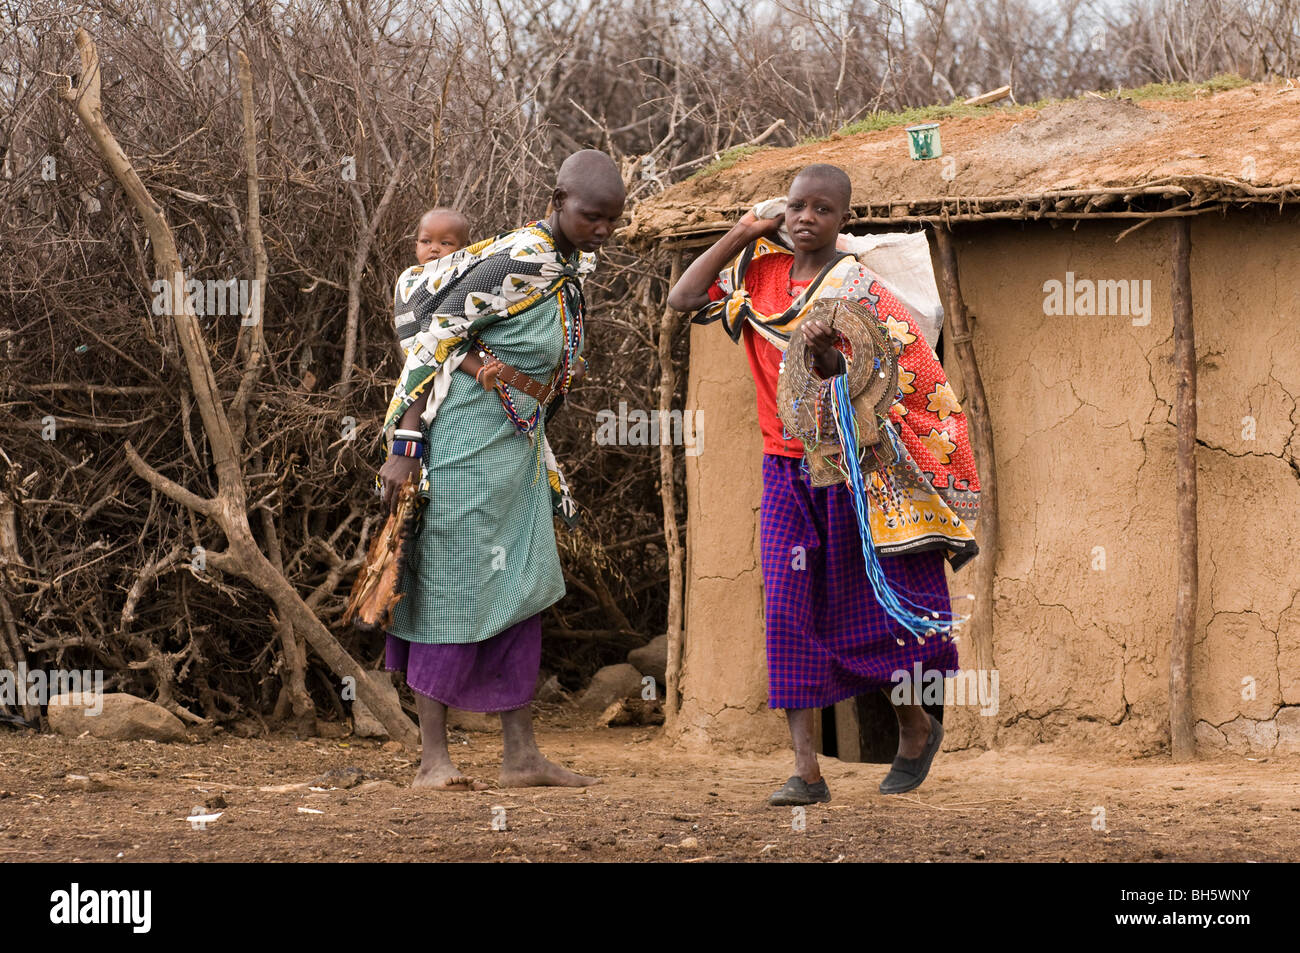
(407, 448)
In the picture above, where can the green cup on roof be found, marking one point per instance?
(923, 141)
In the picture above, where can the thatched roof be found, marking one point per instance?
(1090, 157)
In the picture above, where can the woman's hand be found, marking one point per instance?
(394, 473)
(820, 338)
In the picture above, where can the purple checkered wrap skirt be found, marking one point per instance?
(828, 638)
(497, 674)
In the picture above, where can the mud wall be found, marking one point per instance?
(1085, 444)
(724, 667)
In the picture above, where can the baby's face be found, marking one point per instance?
(439, 235)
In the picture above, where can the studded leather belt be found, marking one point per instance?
(542, 393)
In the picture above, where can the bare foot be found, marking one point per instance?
(538, 772)
(446, 779)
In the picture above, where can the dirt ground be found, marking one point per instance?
(64, 799)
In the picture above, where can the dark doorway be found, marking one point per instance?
(864, 729)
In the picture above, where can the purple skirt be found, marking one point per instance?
(828, 638)
(497, 674)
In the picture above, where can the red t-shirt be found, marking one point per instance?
(768, 282)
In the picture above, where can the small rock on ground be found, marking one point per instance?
(610, 684)
(552, 692)
(115, 716)
(652, 658)
(345, 778)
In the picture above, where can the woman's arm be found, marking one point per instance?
(429, 350)
(692, 289)
(396, 469)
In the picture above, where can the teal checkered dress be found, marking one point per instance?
(485, 555)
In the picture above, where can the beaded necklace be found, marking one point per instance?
(572, 304)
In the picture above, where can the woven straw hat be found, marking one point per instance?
(873, 387)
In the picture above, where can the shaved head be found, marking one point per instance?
(587, 202)
(833, 179)
(590, 173)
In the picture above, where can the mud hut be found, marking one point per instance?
(1120, 282)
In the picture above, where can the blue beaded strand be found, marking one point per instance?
(897, 603)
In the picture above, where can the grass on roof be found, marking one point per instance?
(957, 110)
(725, 160)
(1180, 91)
(906, 117)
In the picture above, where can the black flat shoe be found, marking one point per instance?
(906, 774)
(797, 791)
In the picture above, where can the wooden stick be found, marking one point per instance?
(1182, 739)
(111, 390)
(86, 103)
(254, 342)
(12, 656)
(229, 508)
(975, 404)
(1147, 221)
(668, 324)
(992, 96)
